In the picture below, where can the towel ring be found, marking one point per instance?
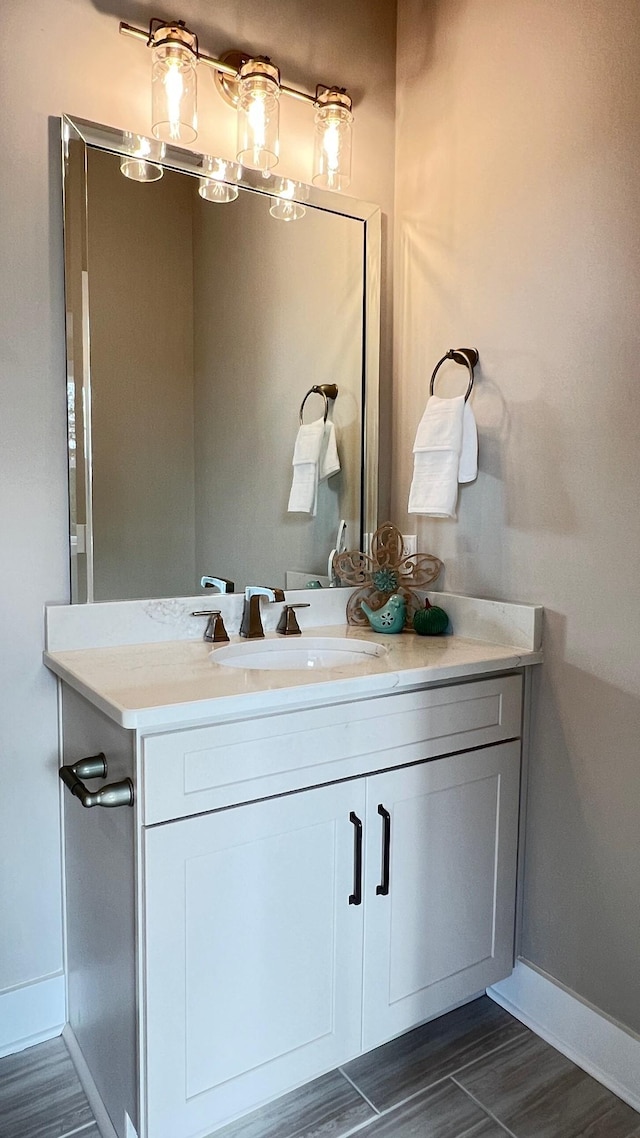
(327, 391)
(467, 356)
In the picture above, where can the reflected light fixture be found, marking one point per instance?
(252, 84)
(216, 183)
(140, 163)
(284, 206)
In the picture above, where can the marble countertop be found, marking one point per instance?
(176, 683)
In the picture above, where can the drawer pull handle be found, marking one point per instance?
(383, 888)
(113, 794)
(355, 898)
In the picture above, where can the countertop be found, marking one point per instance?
(176, 683)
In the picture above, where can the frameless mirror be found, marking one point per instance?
(196, 326)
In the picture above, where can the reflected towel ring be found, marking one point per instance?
(467, 356)
(327, 391)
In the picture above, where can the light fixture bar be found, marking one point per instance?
(225, 68)
(295, 94)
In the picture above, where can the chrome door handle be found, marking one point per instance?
(112, 794)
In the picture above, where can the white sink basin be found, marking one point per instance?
(304, 653)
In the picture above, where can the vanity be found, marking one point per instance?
(316, 860)
(306, 860)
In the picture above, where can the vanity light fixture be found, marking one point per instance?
(253, 86)
(332, 150)
(143, 155)
(174, 51)
(216, 185)
(258, 114)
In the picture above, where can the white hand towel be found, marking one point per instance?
(308, 443)
(329, 460)
(468, 469)
(306, 457)
(437, 450)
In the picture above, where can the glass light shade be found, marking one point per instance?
(140, 162)
(258, 115)
(174, 85)
(286, 207)
(216, 185)
(332, 149)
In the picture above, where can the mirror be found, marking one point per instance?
(195, 329)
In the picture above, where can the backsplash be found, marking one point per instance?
(112, 623)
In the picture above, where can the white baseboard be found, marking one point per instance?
(584, 1034)
(105, 1125)
(31, 1014)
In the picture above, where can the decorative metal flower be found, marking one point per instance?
(389, 570)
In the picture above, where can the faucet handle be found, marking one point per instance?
(215, 631)
(288, 623)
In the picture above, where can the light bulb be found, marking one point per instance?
(215, 185)
(331, 143)
(142, 155)
(174, 90)
(332, 151)
(258, 114)
(173, 83)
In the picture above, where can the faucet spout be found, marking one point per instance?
(251, 626)
(263, 591)
(219, 583)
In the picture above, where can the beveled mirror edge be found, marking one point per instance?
(110, 139)
(77, 370)
(371, 375)
(190, 162)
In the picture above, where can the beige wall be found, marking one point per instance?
(518, 231)
(69, 58)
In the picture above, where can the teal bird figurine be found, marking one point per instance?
(390, 618)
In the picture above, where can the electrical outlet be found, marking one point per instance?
(410, 543)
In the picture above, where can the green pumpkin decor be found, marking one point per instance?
(430, 621)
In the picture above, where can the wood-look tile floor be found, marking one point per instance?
(475, 1073)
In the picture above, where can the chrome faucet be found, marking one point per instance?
(251, 625)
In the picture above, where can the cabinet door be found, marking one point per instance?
(444, 930)
(254, 955)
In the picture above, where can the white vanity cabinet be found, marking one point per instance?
(253, 954)
(445, 928)
(305, 885)
(295, 946)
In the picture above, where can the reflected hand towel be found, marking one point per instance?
(329, 460)
(315, 457)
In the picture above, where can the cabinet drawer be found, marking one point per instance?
(206, 768)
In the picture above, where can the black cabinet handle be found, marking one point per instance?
(356, 897)
(383, 888)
